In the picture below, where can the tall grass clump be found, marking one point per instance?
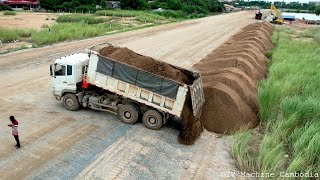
(119, 13)
(9, 13)
(149, 18)
(244, 151)
(79, 18)
(313, 32)
(171, 14)
(289, 101)
(8, 35)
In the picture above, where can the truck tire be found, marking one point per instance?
(128, 114)
(152, 119)
(70, 102)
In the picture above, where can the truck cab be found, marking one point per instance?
(67, 72)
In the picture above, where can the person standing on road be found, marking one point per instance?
(15, 132)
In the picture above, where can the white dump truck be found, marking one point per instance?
(101, 83)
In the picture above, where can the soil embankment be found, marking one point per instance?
(230, 74)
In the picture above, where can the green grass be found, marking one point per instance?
(8, 35)
(9, 13)
(289, 110)
(313, 32)
(144, 16)
(79, 18)
(150, 18)
(244, 154)
(72, 31)
(119, 13)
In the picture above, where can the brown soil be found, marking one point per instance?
(224, 110)
(236, 62)
(235, 71)
(230, 74)
(191, 125)
(239, 86)
(146, 63)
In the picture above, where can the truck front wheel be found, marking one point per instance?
(128, 114)
(70, 102)
(152, 119)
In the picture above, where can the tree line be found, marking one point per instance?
(186, 6)
(295, 6)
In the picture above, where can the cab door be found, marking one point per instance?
(59, 79)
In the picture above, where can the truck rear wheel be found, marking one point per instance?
(70, 102)
(152, 119)
(128, 114)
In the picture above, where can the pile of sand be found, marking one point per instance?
(230, 74)
(191, 125)
(146, 63)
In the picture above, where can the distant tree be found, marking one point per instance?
(317, 11)
(48, 4)
(175, 4)
(104, 4)
(134, 4)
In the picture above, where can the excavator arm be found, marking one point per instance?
(275, 12)
(273, 8)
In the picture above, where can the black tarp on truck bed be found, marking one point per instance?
(138, 77)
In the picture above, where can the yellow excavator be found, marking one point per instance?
(276, 19)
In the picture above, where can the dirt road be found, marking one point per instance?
(59, 144)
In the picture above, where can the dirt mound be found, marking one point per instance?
(236, 72)
(230, 74)
(236, 84)
(224, 110)
(236, 62)
(146, 63)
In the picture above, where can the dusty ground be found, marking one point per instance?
(59, 144)
(27, 20)
(9, 46)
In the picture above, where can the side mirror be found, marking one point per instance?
(52, 69)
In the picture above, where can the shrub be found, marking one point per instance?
(172, 14)
(4, 8)
(44, 26)
(9, 13)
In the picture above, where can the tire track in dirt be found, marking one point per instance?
(58, 122)
(41, 156)
(199, 162)
(119, 156)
